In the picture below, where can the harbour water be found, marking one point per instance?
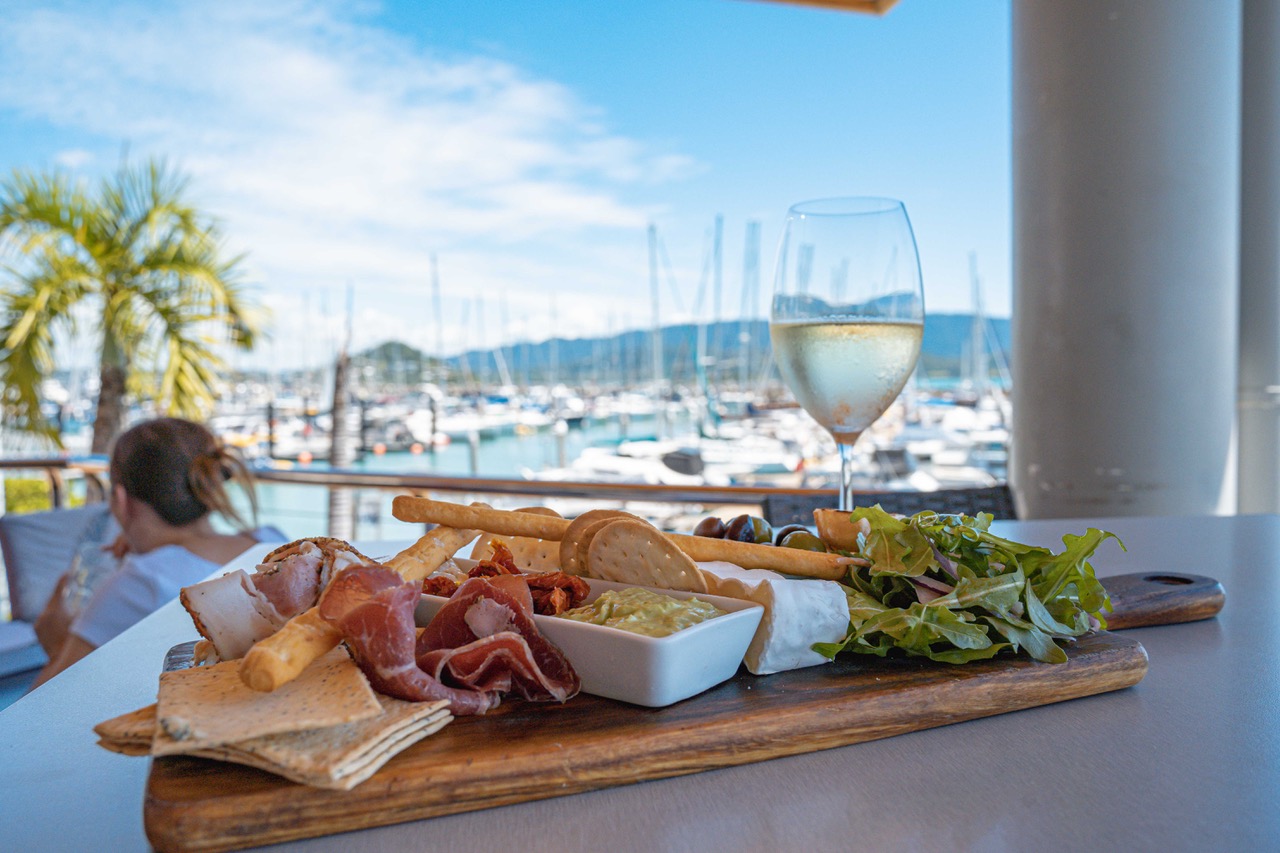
(303, 510)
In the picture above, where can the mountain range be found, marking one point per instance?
(736, 352)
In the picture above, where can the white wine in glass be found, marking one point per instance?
(848, 314)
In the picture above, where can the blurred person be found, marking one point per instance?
(168, 478)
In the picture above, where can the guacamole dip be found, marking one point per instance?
(643, 612)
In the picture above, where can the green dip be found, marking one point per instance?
(643, 612)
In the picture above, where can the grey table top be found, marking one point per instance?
(1187, 760)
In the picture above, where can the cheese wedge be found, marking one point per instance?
(797, 614)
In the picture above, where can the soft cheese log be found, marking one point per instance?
(797, 614)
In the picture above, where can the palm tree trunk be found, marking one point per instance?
(112, 372)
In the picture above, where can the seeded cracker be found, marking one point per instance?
(636, 553)
(576, 540)
(530, 554)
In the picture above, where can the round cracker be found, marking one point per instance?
(572, 560)
(530, 554)
(635, 552)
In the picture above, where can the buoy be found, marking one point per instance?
(415, 448)
(379, 449)
(304, 457)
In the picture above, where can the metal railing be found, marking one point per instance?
(658, 493)
(55, 467)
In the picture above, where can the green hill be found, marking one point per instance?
(734, 349)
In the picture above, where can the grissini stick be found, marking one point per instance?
(791, 561)
(280, 658)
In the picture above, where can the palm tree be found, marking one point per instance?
(138, 263)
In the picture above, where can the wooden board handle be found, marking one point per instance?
(1161, 598)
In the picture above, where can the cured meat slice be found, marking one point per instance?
(373, 608)
(292, 584)
(476, 627)
(230, 613)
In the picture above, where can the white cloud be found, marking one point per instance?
(74, 158)
(338, 153)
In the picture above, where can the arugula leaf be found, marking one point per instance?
(1030, 596)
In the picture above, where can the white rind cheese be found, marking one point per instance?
(798, 612)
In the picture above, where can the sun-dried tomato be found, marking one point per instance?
(555, 592)
(439, 585)
(501, 563)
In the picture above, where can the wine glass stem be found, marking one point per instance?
(846, 473)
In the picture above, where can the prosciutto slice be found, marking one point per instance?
(292, 584)
(485, 637)
(373, 608)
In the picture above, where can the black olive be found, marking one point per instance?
(749, 528)
(739, 529)
(711, 527)
(781, 532)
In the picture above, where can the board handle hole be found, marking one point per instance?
(1172, 580)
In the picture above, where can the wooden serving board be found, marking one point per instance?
(524, 752)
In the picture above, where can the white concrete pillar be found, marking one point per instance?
(1126, 210)
(1259, 415)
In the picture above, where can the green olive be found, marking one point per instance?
(782, 532)
(804, 540)
(711, 527)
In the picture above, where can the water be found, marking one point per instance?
(304, 510)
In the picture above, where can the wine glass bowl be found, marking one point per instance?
(847, 317)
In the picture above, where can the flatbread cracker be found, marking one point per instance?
(129, 734)
(345, 755)
(210, 706)
(338, 757)
(633, 552)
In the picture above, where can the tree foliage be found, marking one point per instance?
(132, 263)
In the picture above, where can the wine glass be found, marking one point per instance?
(848, 314)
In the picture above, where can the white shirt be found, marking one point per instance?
(142, 585)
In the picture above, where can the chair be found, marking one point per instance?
(798, 508)
(37, 548)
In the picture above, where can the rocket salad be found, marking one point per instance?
(944, 587)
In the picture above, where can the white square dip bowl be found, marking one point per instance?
(651, 671)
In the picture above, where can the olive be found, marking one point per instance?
(711, 527)
(749, 528)
(781, 532)
(804, 540)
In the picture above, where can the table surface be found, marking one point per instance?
(1187, 760)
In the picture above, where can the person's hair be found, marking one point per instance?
(180, 470)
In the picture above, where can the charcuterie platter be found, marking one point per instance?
(331, 691)
(521, 752)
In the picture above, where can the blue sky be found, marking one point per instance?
(526, 144)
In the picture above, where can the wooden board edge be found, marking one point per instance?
(184, 826)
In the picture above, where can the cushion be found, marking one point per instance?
(19, 650)
(39, 546)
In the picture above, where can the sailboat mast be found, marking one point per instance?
(717, 287)
(977, 335)
(657, 329)
(750, 291)
(439, 320)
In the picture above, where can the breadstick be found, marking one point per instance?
(429, 553)
(748, 555)
(279, 659)
(480, 517)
